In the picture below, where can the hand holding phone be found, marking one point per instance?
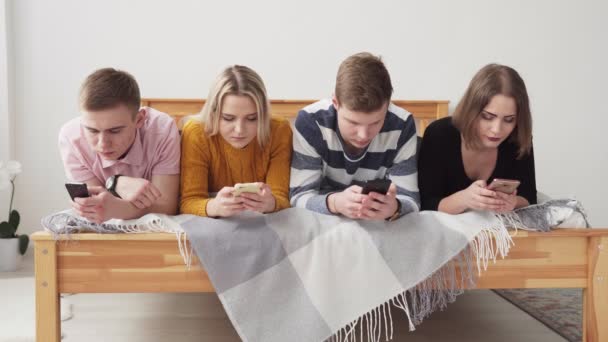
(239, 188)
(380, 186)
(507, 186)
(77, 190)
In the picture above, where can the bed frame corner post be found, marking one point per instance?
(48, 324)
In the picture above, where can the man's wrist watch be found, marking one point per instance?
(111, 183)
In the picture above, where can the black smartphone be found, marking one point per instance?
(77, 190)
(377, 185)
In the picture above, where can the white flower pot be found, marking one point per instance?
(10, 258)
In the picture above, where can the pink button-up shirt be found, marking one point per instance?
(155, 151)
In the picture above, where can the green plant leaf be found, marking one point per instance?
(6, 230)
(14, 219)
(24, 240)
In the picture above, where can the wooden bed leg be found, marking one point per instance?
(586, 298)
(48, 324)
(595, 296)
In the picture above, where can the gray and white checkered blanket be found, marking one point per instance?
(301, 276)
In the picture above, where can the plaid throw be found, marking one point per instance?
(297, 275)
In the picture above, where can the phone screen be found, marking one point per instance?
(380, 186)
(77, 190)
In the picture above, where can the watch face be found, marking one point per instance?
(110, 182)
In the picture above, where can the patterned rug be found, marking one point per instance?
(559, 309)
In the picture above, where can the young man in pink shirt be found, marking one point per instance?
(128, 156)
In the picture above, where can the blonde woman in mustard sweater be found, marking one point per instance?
(235, 141)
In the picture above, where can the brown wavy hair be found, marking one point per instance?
(491, 80)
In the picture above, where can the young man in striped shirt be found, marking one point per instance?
(358, 135)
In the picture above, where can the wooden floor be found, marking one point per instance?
(476, 316)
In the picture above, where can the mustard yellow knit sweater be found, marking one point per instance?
(210, 163)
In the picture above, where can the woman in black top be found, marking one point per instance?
(489, 136)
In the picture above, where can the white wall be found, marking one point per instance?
(6, 119)
(432, 49)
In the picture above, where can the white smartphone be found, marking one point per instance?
(507, 186)
(239, 188)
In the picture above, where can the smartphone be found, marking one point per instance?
(239, 188)
(507, 186)
(377, 185)
(77, 190)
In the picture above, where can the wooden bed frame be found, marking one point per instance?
(135, 263)
(424, 111)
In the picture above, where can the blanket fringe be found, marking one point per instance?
(513, 221)
(436, 292)
(64, 224)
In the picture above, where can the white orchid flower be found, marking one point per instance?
(13, 167)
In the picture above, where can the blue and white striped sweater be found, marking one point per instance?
(321, 166)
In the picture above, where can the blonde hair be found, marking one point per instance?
(243, 81)
(491, 80)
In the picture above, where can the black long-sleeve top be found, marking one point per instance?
(441, 170)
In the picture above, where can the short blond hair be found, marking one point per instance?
(243, 81)
(491, 80)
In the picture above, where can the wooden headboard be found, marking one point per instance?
(424, 111)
